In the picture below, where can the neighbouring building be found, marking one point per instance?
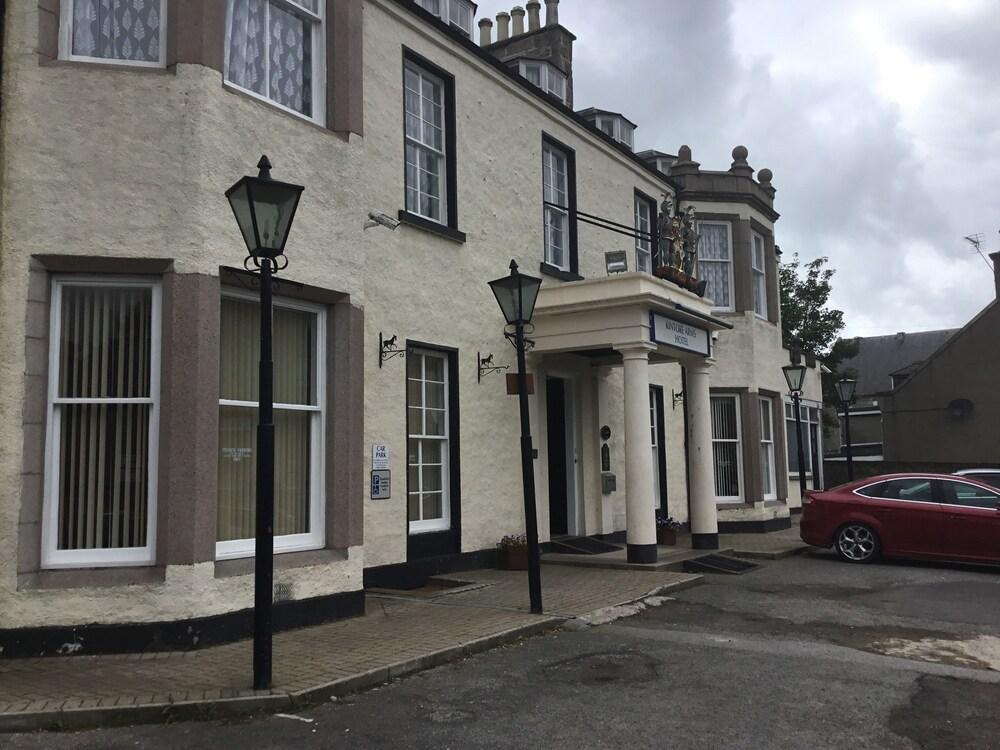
(129, 321)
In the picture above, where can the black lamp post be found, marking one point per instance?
(264, 209)
(794, 375)
(845, 394)
(516, 295)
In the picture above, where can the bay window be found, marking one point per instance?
(274, 50)
(726, 446)
(299, 363)
(103, 407)
(759, 276)
(715, 262)
(428, 441)
(767, 470)
(132, 32)
(426, 168)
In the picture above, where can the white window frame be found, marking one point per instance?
(758, 274)
(444, 12)
(549, 152)
(318, 23)
(52, 556)
(421, 145)
(444, 522)
(315, 538)
(643, 247)
(66, 16)
(735, 398)
(729, 263)
(804, 407)
(766, 408)
(620, 130)
(548, 75)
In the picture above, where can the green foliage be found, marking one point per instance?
(806, 320)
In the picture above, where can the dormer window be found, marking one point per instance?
(456, 13)
(546, 77)
(617, 128)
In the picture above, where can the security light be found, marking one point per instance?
(381, 220)
(616, 261)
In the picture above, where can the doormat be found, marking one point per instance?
(582, 545)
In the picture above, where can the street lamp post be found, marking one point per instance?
(264, 210)
(516, 295)
(794, 375)
(845, 394)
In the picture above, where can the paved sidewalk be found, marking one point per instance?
(399, 634)
(771, 546)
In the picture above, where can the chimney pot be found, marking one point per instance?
(534, 12)
(551, 12)
(517, 13)
(485, 32)
(503, 25)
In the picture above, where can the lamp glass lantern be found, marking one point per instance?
(264, 209)
(794, 375)
(845, 390)
(516, 294)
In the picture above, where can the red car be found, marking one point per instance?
(933, 516)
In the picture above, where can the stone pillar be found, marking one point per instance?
(640, 513)
(701, 487)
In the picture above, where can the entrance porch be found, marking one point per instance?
(583, 332)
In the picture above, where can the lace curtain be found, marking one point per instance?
(713, 262)
(269, 51)
(117, 29)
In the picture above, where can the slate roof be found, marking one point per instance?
(880, 356)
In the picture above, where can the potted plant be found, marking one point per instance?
(512, 552)
(666, 529)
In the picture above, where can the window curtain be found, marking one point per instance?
(269, 51)
(713, 262)
(294, 335)
(117, 29)
(104, 352)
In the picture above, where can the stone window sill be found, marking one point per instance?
(419, 222)
(82, 578)
(554, 271)
(287, 561)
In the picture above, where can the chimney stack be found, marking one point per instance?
(995, 257)
(485, 32)
(503, 26)
(517, 13)
(551, 12)
(534, 11)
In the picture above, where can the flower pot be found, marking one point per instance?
(666, 537)
(512, 558)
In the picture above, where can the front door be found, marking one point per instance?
(558, 455)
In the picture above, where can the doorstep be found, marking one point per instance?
(398, 635)
(668, 559)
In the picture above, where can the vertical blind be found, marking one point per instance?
(296, 418)
(105, 344)
(767, 447)
(726, 446)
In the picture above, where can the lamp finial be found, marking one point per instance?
(264, 165)
(513, 266)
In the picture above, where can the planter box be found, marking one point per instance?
(666, 537)
(512, 558)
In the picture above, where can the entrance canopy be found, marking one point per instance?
(600, 317)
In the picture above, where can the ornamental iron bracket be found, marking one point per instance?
(387, 349)
(485, 366)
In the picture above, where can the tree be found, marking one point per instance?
(806, 321)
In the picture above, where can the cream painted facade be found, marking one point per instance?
(116, 168)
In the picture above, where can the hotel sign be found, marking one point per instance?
(679, 335)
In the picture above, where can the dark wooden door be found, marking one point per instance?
(555, 396)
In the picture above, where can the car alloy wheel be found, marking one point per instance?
(857, 543)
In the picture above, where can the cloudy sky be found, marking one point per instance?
(879, 119)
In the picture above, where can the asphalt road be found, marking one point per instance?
(792, 655)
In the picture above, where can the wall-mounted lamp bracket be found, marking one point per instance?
(387, 349)
(485, 366)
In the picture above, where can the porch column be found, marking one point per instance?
(701, 484)
(640, 514)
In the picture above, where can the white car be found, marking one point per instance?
(990, 476)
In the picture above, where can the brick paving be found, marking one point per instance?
(398, 634)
